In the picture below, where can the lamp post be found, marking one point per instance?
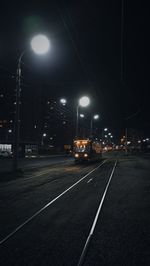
(94, 117)
(17, 115)
(40, 45)
(83, 102)
(43, 136)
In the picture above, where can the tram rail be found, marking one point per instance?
(86, 246)
(18, 228)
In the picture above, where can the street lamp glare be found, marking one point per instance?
(40, 44)
(96, 116)
(82, 115)
(84, 101)
(63, 101)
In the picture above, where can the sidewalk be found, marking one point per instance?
(6, 164)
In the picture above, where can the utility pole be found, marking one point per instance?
(77, 120)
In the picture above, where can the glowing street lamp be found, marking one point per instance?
(63, 101)
(96, 117)
(40, 45)
(43, 136)
(82, 115)
(83, 102)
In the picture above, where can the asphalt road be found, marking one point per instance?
(71, 195)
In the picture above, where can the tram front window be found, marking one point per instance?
(82, 148)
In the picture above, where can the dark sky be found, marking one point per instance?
(85, 53)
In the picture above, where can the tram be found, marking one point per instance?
(87, 150)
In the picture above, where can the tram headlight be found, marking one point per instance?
(85, 155)
(76, 155)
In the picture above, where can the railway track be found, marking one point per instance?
(87, 178)
(85, 248)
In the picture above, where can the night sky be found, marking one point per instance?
(85, 55)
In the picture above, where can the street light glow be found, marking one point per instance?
(96, 116)
(82, 115)
(105, 129)
(40, 44)
(84, 101)
(63, 101)
(44, 134)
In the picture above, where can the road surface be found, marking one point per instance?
(71, 214)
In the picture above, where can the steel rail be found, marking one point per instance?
(48, 204)
(85, 248)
